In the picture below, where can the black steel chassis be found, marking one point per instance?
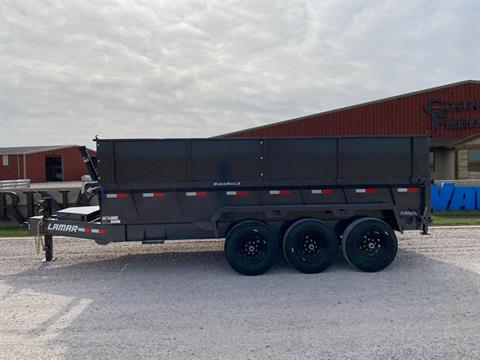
(49, 225)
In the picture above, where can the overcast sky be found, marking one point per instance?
(71, 70)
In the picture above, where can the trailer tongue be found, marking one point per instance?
(299, 195)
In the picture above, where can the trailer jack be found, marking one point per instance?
(48, 248)
(45, 209)
(425, 220)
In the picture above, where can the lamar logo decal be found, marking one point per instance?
(441, 110)
(63, 227)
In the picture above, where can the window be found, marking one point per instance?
(53, 168)
(5, 160)
(431, 161)
(474, 160)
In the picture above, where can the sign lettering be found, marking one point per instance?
(9, 204)
(447, 196)
(441, 112)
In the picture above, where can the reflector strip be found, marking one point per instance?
(366, 190)
(236, 193)
(196, 193)
(323, 191)
(117, 196)
(154, 194)
(109, 218)
(407, 190)
(93, 231)
(279, 192)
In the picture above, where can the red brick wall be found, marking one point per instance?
(73, 166)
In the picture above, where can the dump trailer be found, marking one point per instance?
(301, 198)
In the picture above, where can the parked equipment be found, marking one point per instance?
(302, 197)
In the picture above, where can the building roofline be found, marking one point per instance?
(39, 150)
(465, 139)
(452, 142)
(458, 83)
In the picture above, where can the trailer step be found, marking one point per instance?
(151, 242)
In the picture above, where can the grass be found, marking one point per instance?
(456, 218)
(13, 232)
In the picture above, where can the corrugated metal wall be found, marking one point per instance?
(34, 165)
(72, 162)
(403, 115)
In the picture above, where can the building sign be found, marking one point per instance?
(12, 210)
(442, 113)
(447, 196)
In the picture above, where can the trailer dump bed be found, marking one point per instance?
(156, 190)
(198, 180)
(212, 163)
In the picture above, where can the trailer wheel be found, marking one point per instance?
(251, 247)
(342, 225)
(369, 244)
(310, 246)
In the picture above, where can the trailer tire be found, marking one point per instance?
(342, 225)
(251, 247)
(310, 246)
(369, 244)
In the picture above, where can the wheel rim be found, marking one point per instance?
(310, 246)
(252, 247)
(372, 243)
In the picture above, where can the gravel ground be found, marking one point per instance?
(181, 300)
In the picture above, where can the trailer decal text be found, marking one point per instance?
(62, 227)
(227, 183)
(74, 229)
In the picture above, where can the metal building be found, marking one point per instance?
(449, 114)
(42, 163)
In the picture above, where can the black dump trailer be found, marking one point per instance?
(300, 197)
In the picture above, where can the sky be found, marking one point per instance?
(71, 70)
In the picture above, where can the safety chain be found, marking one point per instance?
(39, 239)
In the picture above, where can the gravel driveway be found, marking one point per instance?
(181, 300)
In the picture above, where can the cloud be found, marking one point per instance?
(71, 70)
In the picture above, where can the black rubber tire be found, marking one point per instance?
(342, 225)
(310, 246)
(369, 244)
(251, 234)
